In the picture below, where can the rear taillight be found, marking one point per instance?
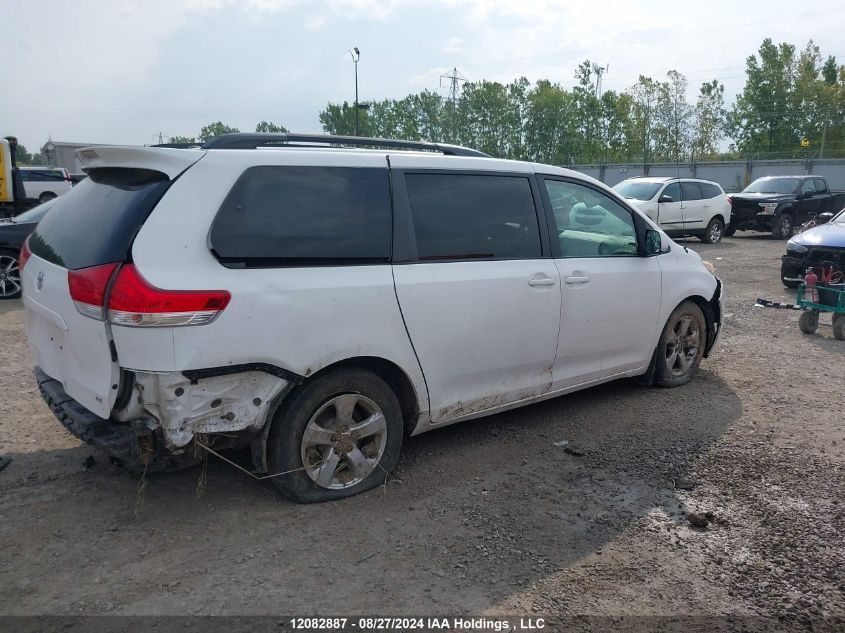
(730, 201)
(135, 302)
(88, 289)
(24, 256)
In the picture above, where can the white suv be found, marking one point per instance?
(318, 304)
(681, 206)
(45, 183)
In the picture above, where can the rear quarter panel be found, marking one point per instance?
(301, 319)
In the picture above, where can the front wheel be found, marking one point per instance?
(808, 322)
(782, 228)
(681, 346)
(336, 436)
(10, 275)
(714, 231)
(47, 195)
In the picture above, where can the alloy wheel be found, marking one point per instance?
(682, 346)
(10, 277)
(343, 441)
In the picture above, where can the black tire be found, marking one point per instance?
(714, 231)
(729, 231)
(839, 327)
(285, 441)
(784, 273)
(782, 227)
(47, 195)
(678, 369)
(9, 274)
(808, 322)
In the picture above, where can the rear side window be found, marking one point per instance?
(97, 220)
(690, 191)
(278, 215)
(458, 217)
(42, 175)
(709, 190)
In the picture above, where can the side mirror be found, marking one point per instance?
(824, 218)
(665, 198)
(654, 242)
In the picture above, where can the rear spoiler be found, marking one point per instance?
(171, 162)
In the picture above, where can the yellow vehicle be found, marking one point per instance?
(13, 198)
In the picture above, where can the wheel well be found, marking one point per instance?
(396, 379)
(709, 319)
(721, 217)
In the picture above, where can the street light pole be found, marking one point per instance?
(355, 57)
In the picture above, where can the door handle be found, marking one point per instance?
(542, 281)
(577, 279)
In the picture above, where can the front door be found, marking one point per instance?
(480, 300)
(611, 295)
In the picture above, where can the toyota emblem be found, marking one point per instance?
(39, 283)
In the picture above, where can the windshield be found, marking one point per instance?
(633, 190)
(35, 214)
(772, 185)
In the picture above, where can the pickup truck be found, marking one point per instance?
(780, 203)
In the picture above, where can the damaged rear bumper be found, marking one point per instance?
(124, 443)
(163, 412)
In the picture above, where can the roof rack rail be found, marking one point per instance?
(263, 139)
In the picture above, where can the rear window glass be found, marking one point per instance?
(42, 175)
(97, 220)
(279, 215)
(460, 217)
(709, 191)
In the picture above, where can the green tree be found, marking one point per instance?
(182, 140)
(339, 119)
(217, 128)
(268, 126)
(709, 120)
(22, 157)
(762, 121)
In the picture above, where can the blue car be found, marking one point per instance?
(822, 245)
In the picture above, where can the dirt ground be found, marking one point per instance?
(484, 517)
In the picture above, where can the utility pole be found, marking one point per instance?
(356, 55)
(454, 78)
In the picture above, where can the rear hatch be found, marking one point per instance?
(74, 253)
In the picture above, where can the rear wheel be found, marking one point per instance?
(714, 231)
(782, 227)
(839, 327)
(339, 434)
(681, 346)
(10, 275)
(808, 322)
(47, 195)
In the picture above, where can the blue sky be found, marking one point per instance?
(121, 72)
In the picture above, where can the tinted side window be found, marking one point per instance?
(821, 185)
(690, 191)
(459, 216)
(709, 191)
(673, 190)
(589, 223)
(807, 186)
(308, 215)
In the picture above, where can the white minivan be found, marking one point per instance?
(681, 206)
(45, 183)
(320, 303)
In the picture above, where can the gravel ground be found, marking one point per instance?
(485, 517)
